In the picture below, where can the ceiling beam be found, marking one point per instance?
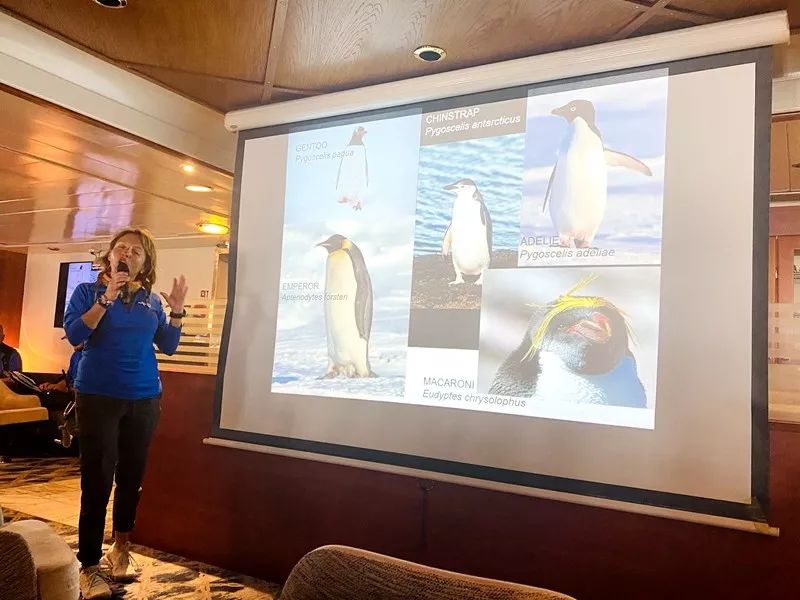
(295, 91)
(639, 20)
(218, 78)
(679, 14)
(275, 38)
(689, 16)
(221, 79)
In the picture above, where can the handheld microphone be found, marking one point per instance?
(122, 267)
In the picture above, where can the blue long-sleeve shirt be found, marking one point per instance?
(118, 358)
(72, 372)
(10, 360)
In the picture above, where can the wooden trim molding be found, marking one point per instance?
(275, 39)
(638, 21)
(681, 14)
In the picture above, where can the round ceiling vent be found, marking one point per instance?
(112, 3)
(429, 53)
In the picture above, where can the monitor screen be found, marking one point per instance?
(70, 275)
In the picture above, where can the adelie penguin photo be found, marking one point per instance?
(577, 192)
(594, 174)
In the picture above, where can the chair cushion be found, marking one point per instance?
(343, 573)
(17, 573)
(10, 400)
(23, 415)
(57, 569)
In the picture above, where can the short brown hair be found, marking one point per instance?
(147, 276)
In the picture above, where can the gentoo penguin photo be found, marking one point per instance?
(352, 177)
(348, 309)
(469, 236)
(575, 349)
(578, 188)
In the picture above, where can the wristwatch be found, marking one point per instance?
(180, 315)
(104, 302)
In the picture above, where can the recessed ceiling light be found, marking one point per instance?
(429, 53)
(112, 3)
(212, 228)
(194, 187)
(187, 168)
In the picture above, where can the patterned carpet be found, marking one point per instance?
(162, 575)
(38, 470)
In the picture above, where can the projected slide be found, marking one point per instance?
(501, 257)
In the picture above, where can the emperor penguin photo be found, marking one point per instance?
(469, 236)
(577, 191)
(352, 178)
(348, 309)
(575, 349)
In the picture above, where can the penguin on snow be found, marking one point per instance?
(469, 236)
(348, 309)
(578, 187)
(575, 349)
(352, 178)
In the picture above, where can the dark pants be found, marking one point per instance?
(114, 438)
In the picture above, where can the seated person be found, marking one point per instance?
(10, 360)
(64, 384)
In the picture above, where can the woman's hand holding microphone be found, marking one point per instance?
(120, 276)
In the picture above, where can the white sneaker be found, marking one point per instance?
(93, 584)
(118, 559)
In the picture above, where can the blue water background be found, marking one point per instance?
(495, 164)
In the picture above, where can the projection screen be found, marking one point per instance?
(558, 286)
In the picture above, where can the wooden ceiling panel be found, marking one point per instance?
(64, 180)
(659, 23)
(794, 13)
(15, 185)
(221, 52)
(91, 223)
(729, 9)
(43, 172)
(12, 160)
(220, 37)
(337, 45)
(84, 149)
(78, 193)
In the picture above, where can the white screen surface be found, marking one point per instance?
(672, 413)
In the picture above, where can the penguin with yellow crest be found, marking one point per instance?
(575, 349)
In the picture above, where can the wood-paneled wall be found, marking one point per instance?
(258, 513)
(12, 288)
